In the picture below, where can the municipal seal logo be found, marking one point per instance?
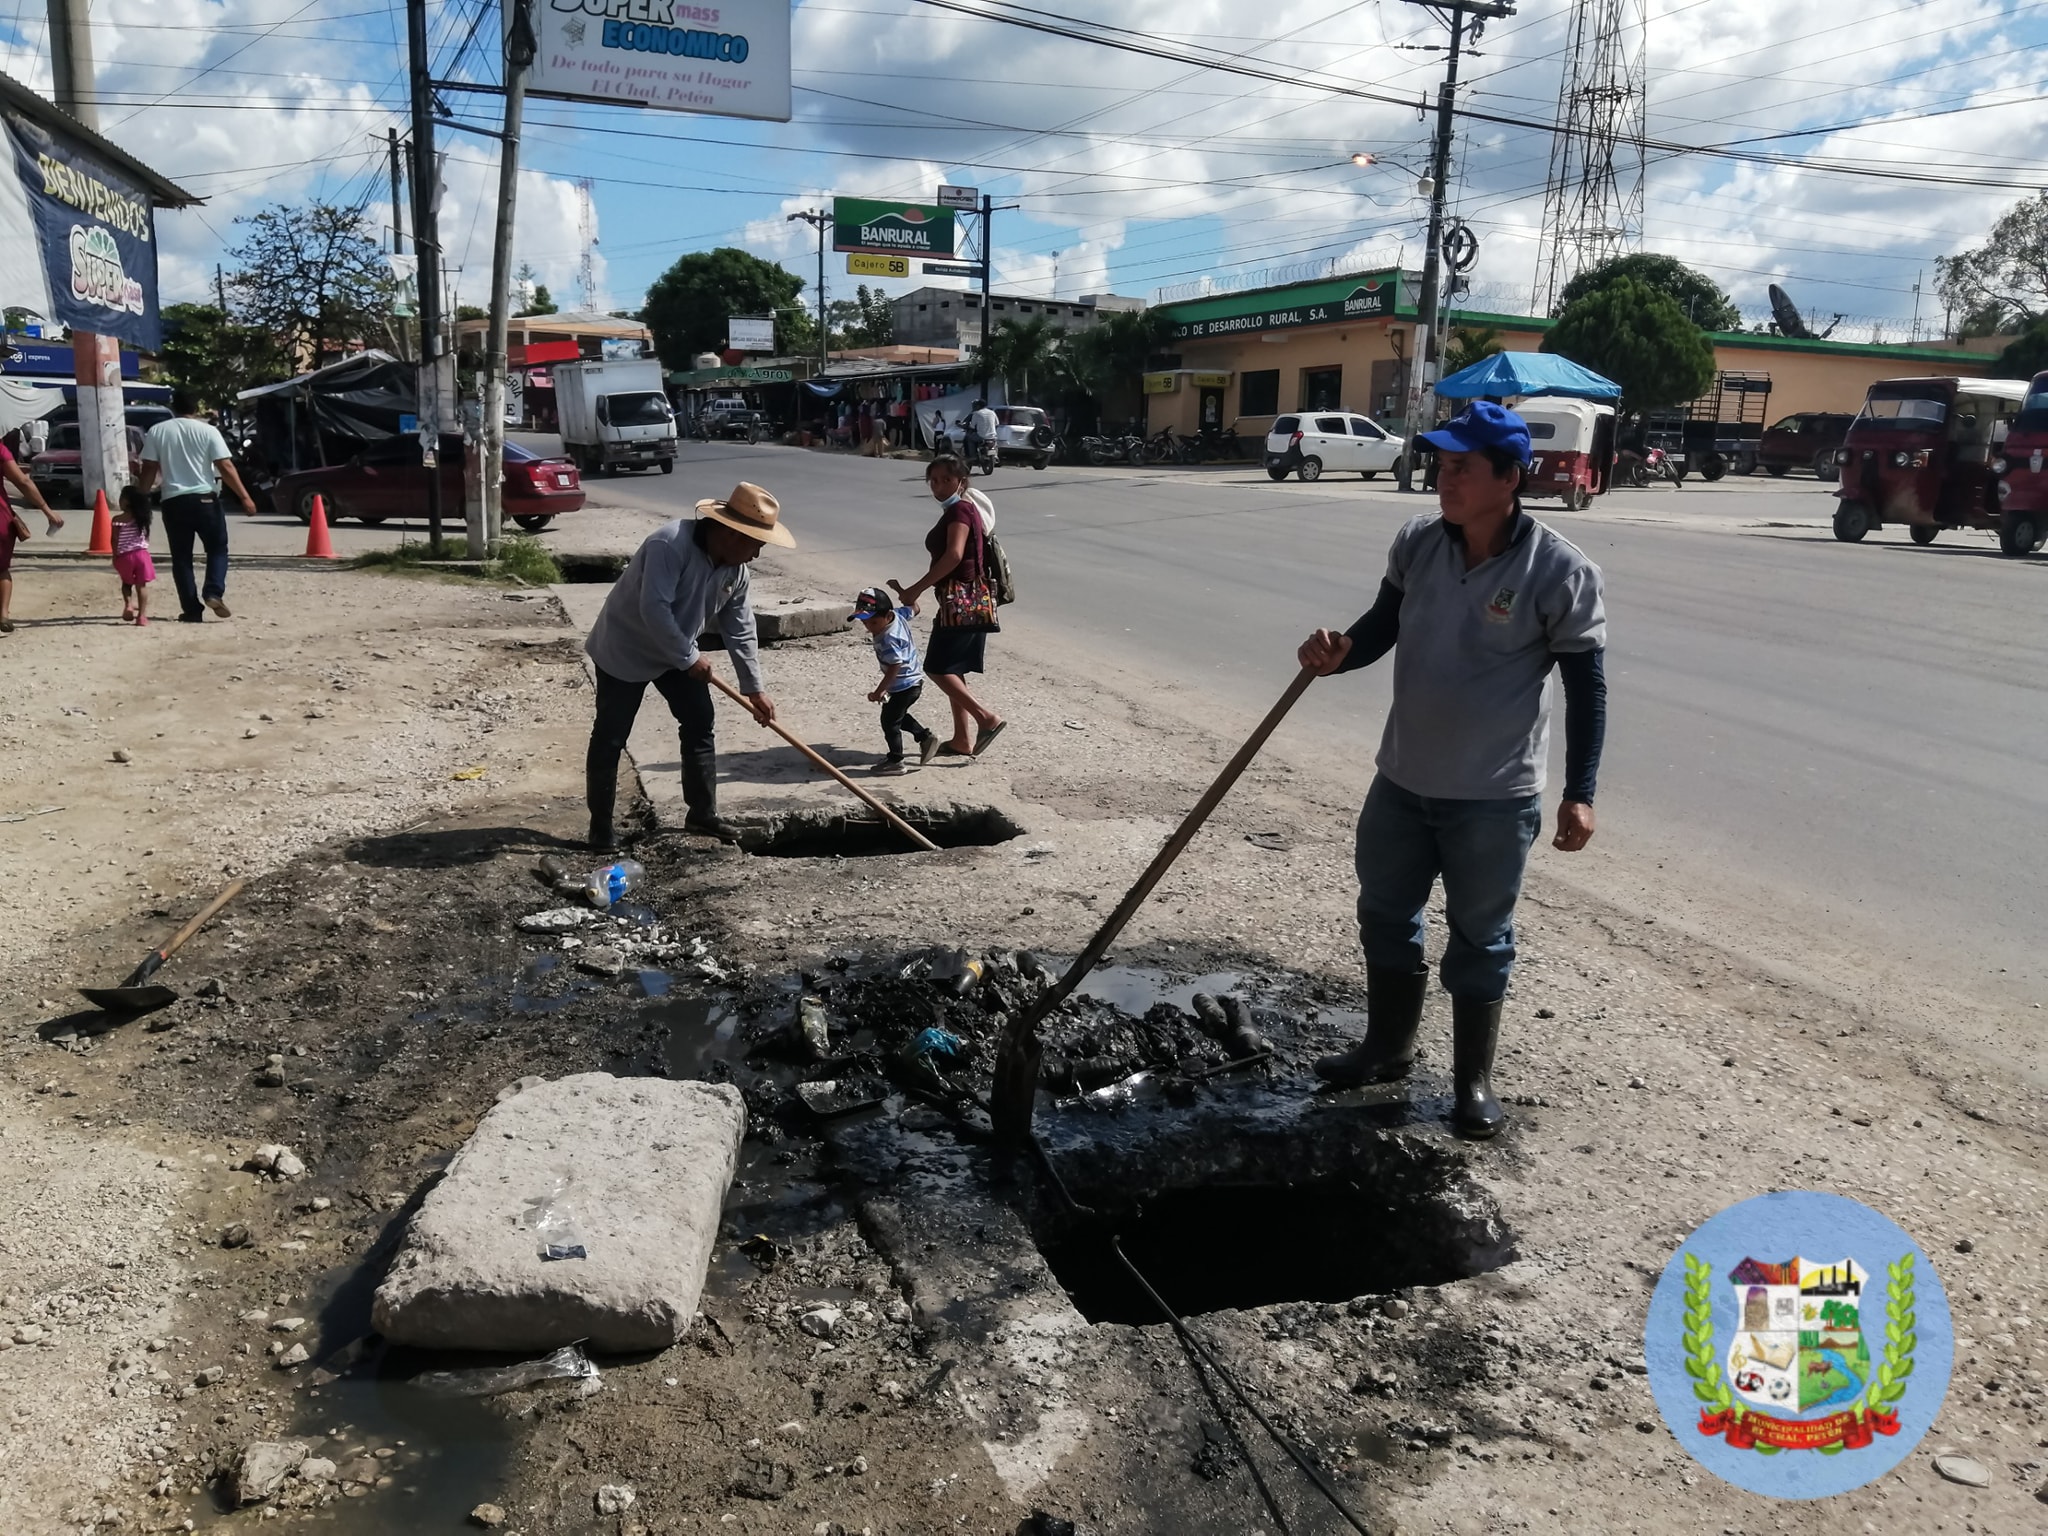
(1792, 1376)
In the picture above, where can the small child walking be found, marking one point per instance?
(902, 677)
(131, 554)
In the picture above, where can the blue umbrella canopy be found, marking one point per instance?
(1527, 373)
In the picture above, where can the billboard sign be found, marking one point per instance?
(967, 198)
(750, 333)
(891, 229)
(728, 60)
(877, 266)
(1371, 300)
(96, 235)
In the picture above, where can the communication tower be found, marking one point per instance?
(586, 240)
(1593, 198)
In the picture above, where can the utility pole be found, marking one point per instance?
(220, 290)
(95, 360)
(821, 220)
(520, 48)
(988, 245)
(426, 245)
(1423, 348)
(398, 232)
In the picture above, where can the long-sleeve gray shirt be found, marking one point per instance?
(669, 595)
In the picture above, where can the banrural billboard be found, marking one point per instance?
(729, 59)
(891, 229)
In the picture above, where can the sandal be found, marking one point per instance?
(983, 738)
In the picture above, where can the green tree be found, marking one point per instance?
(2006, 278)
(315, 277)
(533, 295)
(1698, 297)
(1021, 352)
(208, 353)
(1468, 346)
(1639, 338)
(2027, 356)
(689, 304)
(865, 320)
(1109, 356)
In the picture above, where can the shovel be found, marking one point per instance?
(1017, 1056)
(138, 994)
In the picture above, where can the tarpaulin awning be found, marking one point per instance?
(22, 402)
(325, 416)
(1527, 373)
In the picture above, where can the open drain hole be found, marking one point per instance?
(831, 834)
(1403, 1215)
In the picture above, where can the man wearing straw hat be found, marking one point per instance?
(684, 579)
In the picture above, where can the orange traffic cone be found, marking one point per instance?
(318, 545)
(102, 541)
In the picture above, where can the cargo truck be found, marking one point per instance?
(614, 415)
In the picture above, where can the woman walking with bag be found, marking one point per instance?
(966, 590)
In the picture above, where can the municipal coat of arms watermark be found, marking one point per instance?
(1792, 1375)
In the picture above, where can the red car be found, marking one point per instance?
(387, 480)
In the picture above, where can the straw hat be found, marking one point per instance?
(752, 511)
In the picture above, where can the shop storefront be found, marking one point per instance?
(1342, 344)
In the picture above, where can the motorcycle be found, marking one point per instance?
(1640, 466)
(981, 455)
(1163, 447)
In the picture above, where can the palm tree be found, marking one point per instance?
(1019, 350)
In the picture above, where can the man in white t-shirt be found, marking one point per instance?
(982, 427)
(191, 459)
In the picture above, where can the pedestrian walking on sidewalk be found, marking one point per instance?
(191, 459)
(902, 681)
(960, 578)
(685, 578)
(1479, 603)
(131, 554)
(14, 528)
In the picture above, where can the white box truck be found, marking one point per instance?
(614, 415)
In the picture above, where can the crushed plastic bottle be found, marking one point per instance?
(602, 887)
(1113, 1095)
(958, 970)
(553, 1222)
(568, 1363)
(812, 1026)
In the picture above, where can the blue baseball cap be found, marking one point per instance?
(1481, 425)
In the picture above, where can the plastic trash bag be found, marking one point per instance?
(568, 1363)
(552, 1220)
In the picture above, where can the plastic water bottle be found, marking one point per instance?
(602, 887)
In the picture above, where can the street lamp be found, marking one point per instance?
(1425, 184)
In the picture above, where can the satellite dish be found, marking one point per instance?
(1786, 313)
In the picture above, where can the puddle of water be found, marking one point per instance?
(696, 1031)
(1134, 988)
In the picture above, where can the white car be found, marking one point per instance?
(1312, 442)
(1026, 433)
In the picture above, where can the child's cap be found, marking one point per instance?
(869, 602)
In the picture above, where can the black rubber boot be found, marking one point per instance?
(1475, 1031)
(1393, 1014)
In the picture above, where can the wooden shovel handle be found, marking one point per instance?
(888, 815)
(199, 920)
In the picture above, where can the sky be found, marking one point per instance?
(1129, 174)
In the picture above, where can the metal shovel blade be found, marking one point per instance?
(130, 999)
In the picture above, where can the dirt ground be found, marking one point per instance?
(374, 966)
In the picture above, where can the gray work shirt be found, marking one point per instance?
(1471, 712)
(669, 595)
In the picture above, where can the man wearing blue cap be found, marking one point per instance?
(1483, 601)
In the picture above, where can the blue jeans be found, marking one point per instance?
(1480, 847)
(185, 516)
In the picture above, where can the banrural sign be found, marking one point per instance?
(1371, 299)
(729, 59)
(891, 229)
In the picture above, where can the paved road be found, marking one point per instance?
(1837, 752)
(1832, 755)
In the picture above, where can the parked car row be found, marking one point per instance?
(388, 479)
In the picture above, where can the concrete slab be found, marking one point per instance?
(632, 1171)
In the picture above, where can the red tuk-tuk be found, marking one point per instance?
(2022, 470)
(1573, 445)
(1920, 453)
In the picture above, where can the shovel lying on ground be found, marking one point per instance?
(1018, 1054)
(888, 815)
(138, 994)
